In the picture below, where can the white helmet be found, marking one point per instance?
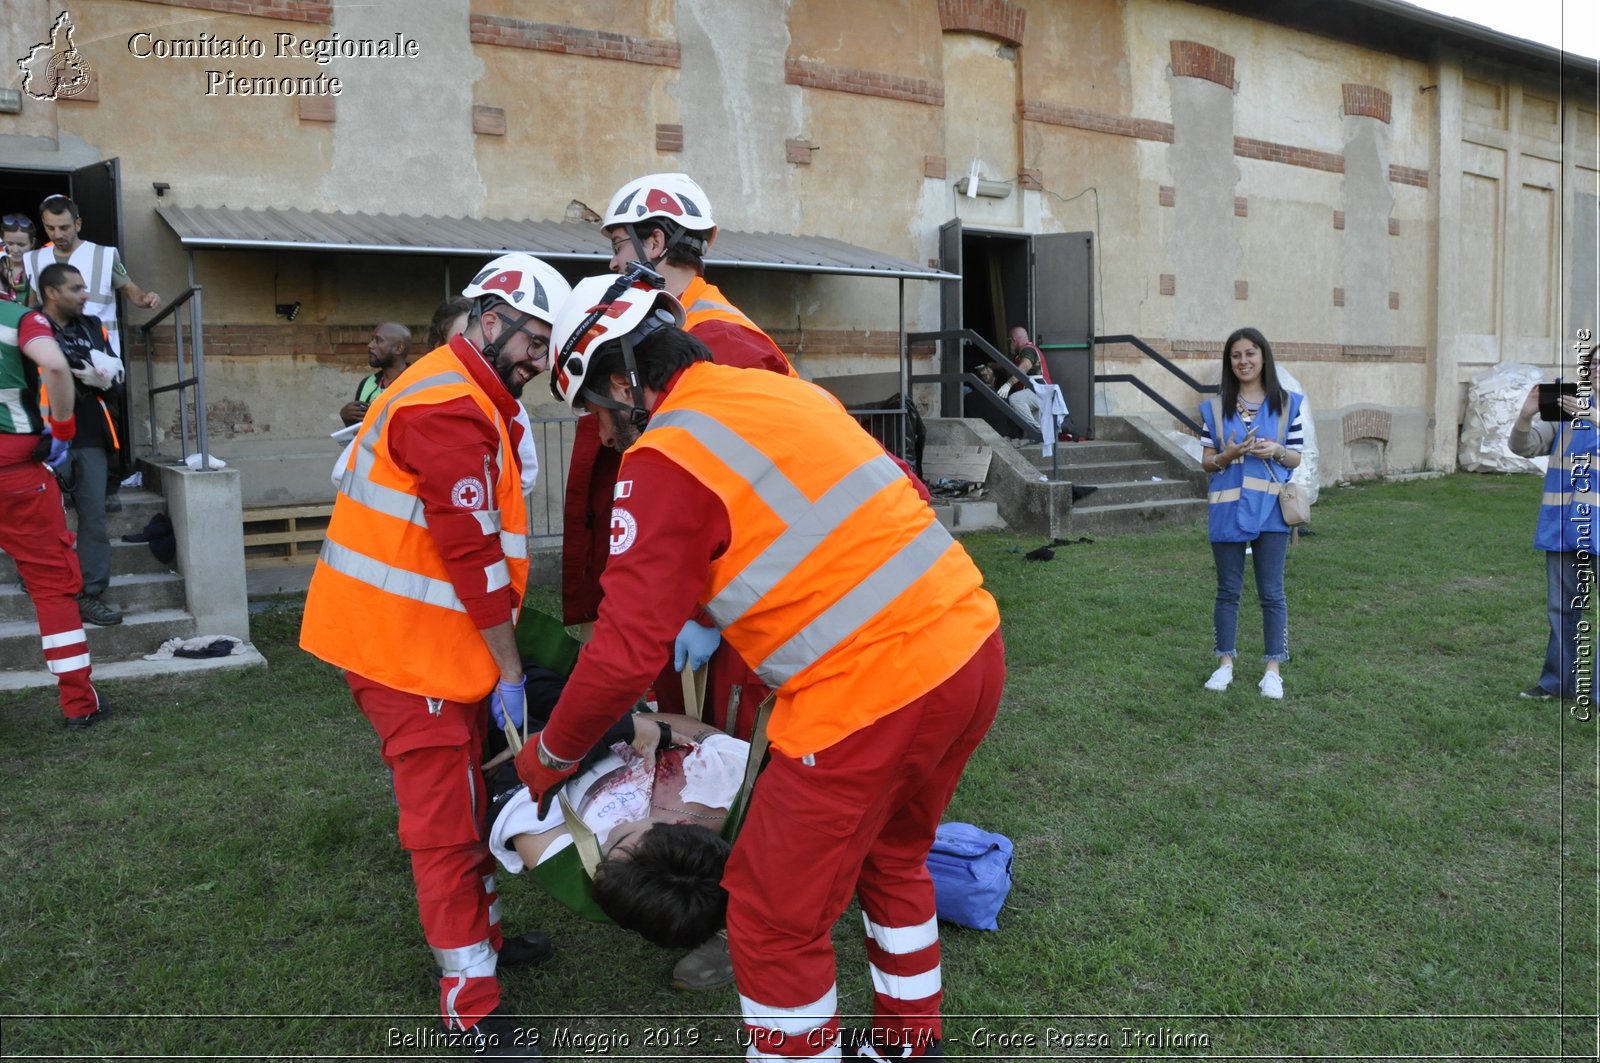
(522, 282)
(603, 310)
(673, 199)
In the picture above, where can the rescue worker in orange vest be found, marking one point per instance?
(664, 221)
(758, 498)
(428, 549)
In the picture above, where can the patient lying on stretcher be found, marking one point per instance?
(656, 814)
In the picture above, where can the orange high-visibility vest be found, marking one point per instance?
(838, 586)
(705, 302)
(381, 602)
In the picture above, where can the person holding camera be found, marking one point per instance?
(1566, 432)
(1240, 450)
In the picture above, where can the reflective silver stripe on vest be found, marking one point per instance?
(807, 524)
(805, 528)
(1566, 498)
(865, 601)
(388, 578)
(1262, 484)
(358, 485)
(1230, 494)
(712, 304)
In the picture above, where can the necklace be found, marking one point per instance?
(1247, 411)
(695, 815)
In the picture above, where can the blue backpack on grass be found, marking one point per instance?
(971, 871)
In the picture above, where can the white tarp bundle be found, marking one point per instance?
(1494, 399)
(1305, 474)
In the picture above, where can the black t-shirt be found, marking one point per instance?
(77, 338)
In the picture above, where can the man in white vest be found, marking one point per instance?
(100, 264)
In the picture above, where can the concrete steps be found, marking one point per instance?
(959, 517)
(1141, 479)
(1134, 516)
(151, 594)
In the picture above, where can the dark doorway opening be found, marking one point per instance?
(994, 289)
(94, 188)
(1043, 281)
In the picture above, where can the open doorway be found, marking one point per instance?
(94, 189)
(1042, 281)
(994, 289)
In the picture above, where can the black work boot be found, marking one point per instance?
(501, 1036)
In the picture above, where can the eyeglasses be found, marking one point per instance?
(17, 221)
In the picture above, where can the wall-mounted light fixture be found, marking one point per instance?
(161, 188)
(288, 310)
(986, 189)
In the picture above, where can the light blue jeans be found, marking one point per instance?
(1269, 551)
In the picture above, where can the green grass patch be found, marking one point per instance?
(1397, 859)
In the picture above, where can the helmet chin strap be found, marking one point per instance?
(641, 254)
(680, 236)
(639, 416)
(491, 350)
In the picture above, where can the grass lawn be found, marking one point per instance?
(1397, 860)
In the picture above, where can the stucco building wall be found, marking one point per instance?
(1395, 220)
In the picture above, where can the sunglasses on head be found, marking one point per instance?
(17, 221)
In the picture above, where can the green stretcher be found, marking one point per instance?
(568, 876)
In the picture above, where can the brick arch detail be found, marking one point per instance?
(1367, 100)
(990, 18)
(1191, 59)
(1367, 424)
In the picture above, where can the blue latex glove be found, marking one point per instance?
(695, 643)
(59, 449)
(509, 702)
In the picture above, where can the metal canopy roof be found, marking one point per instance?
(304, 230)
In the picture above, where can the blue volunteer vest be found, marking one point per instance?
(1243, 497)
(1567, 512)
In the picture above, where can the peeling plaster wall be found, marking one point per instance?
(398, 119)
(1204, 247)
(1366, 266)
(1486, 255)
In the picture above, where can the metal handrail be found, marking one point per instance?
(966, 335)
(1163, 362)
(191, 297)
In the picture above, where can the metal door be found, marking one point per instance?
(1063, 318)
(950, 317)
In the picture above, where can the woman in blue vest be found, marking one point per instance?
(1249, 452)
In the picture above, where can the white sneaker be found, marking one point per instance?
(1272, 686)
(1220, 678)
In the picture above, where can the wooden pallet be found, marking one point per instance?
(284, 535)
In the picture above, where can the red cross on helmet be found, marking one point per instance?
(673, 200)
(522, 282)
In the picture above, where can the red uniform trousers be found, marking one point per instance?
(435, 751)
(859, 819)
(33, 530)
